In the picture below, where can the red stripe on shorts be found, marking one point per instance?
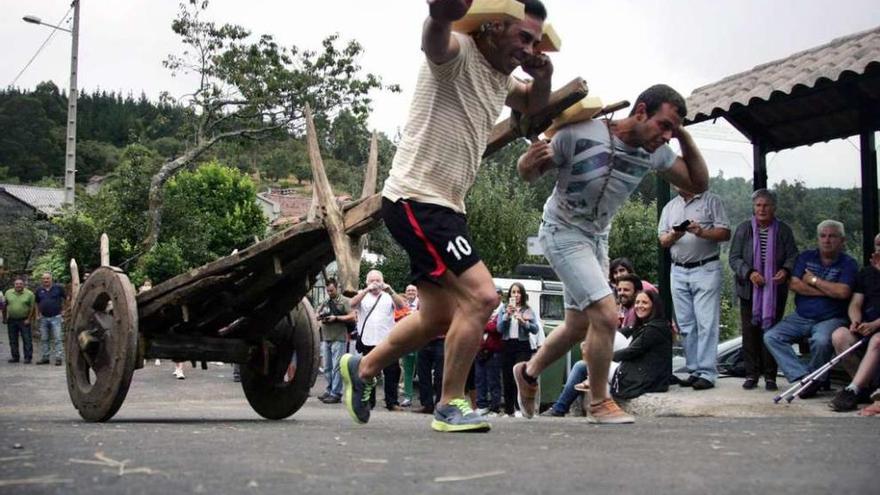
(439, 265)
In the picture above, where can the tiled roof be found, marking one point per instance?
(802, 74)
(293, 205)
(47, 200)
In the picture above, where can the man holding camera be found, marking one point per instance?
(693, 226)
(375, 305)
(336, 317)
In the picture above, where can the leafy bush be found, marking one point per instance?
(634, 236)
(166, 260)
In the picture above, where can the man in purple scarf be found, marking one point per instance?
(762, 256)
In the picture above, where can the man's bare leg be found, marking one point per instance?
(436, 307)
(599, 321)
(475, 296)
(600, 346)
(560, 340)
(870, 363)
(462, 305)
(842, 339)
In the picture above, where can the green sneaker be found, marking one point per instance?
(355, 392)
(457, 416)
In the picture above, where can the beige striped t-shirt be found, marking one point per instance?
(453, 111)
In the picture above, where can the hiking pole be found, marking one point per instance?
(807, 380)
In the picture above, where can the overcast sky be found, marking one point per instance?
(619, 46)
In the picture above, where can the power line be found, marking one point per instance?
(40, 49)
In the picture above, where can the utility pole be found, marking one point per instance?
(72, 95)
(70, 153)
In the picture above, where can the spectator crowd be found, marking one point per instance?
(836, 306)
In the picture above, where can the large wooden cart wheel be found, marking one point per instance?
(101, 344)
(276, 395)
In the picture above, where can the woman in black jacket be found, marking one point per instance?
(646, 364)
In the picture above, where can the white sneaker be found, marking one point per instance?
(158, 362)
(179, 374)
(483, 411)
(517, 414)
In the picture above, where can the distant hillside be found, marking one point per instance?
(33, 126)
(801, 207)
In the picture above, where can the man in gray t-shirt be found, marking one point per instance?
(600, 164)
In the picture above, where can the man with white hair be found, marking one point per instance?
(822, 281)
(375, 305)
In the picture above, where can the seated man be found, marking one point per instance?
(864, 316)
(627, 288)
(822, 282)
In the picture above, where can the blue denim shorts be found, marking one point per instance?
(581, 262)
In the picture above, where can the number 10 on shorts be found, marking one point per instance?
(459, 247)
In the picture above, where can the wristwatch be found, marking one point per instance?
(813, 280)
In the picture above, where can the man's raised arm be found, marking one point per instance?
(689, 172)
(437, 41)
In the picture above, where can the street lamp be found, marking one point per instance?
(70, 153)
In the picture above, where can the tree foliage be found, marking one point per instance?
(250, 88)
(33, 127)
(212, 211)
(22, 241)
(634, 236)
(501, 216)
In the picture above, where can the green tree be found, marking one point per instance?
(212, 211)
(634, 236)
(501, 215)
(22, 241)
(255, 88)
(29, 145)
(165, 261)
(95, 158)
(78, 239)
(120, 207)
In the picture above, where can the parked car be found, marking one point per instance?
(730, 360)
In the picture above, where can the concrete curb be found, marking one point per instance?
(728, 400)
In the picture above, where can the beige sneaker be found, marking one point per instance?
(608, 412)
(526, 393)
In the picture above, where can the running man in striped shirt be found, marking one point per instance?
(463, 85)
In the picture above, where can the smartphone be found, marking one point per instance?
(682, 226)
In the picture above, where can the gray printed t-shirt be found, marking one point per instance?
(582, 153)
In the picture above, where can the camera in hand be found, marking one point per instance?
(324, 313)
(682, 226)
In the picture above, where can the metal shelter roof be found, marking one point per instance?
(827, 92)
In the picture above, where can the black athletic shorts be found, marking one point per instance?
(436, 238)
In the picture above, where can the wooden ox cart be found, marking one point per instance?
(245, 308)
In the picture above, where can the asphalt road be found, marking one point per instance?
(200, 436)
